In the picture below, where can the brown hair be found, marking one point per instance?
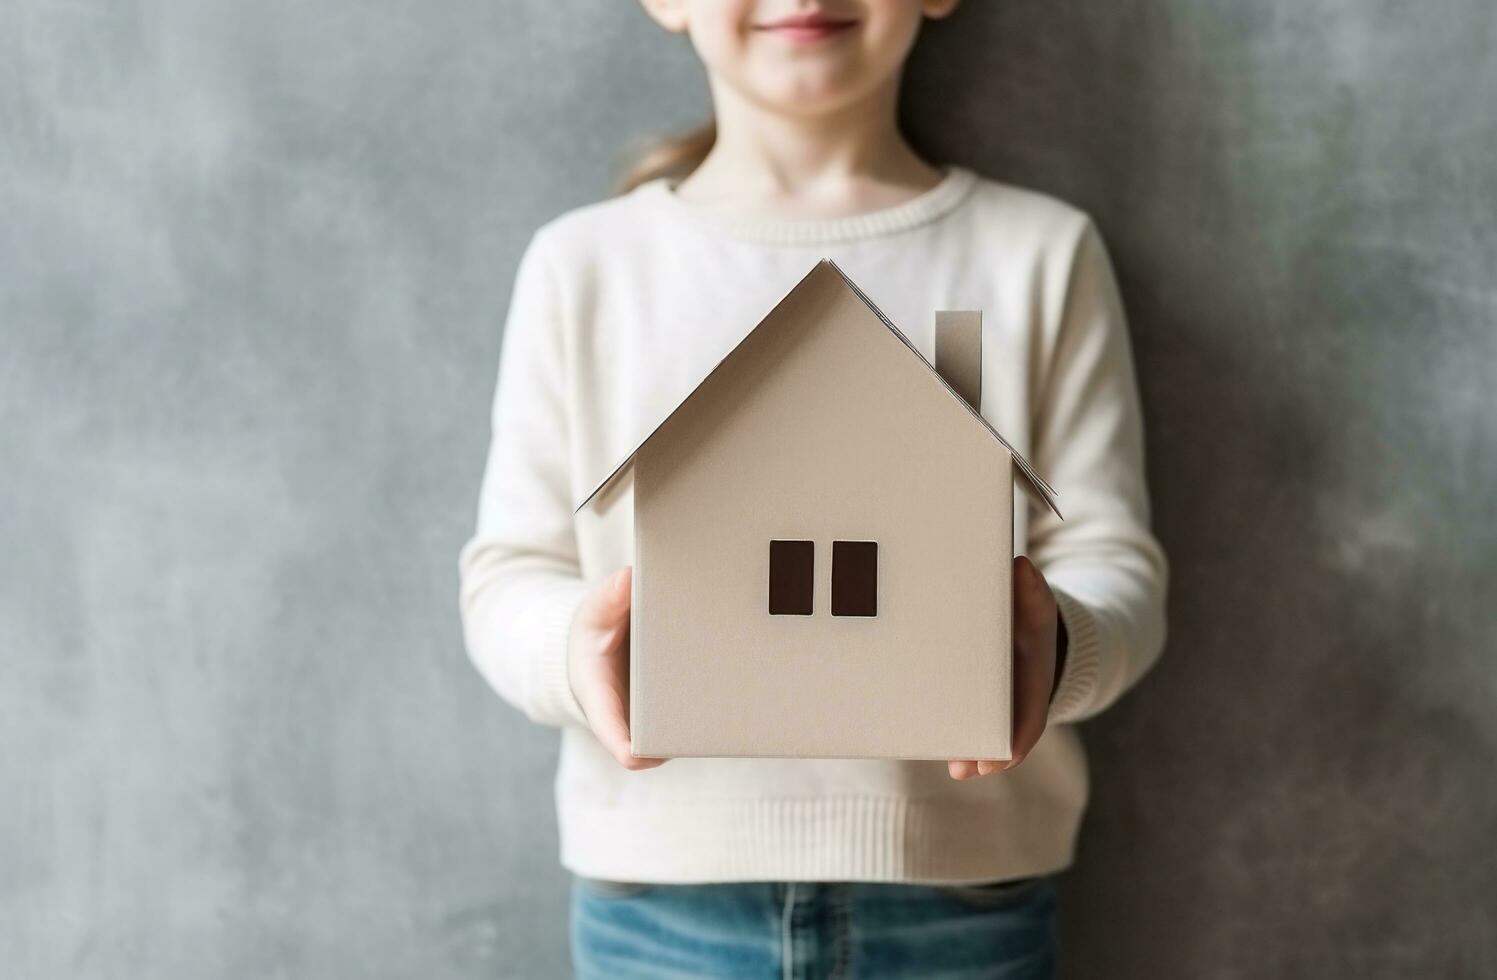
(672, 156)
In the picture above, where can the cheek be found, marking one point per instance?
(889, 31)
(720, 33)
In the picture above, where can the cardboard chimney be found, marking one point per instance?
(823, 538)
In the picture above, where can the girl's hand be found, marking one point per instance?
(1036, 623)
(598, 665)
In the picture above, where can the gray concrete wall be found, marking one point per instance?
(253, 260)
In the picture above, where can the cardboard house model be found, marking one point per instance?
(823, 535)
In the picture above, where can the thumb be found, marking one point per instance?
(1035, 604)
(607, 606)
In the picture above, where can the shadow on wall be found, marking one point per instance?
(1303, 781)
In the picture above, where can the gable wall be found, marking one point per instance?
(821, 429)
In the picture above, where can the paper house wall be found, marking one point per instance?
(823, 536)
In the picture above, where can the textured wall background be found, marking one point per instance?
(253, 260)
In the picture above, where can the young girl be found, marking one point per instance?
(783, 867)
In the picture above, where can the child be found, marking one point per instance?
(726, 867)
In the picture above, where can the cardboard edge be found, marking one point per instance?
(634, 735)
(1008, 650)
(958, 352)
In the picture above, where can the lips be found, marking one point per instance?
(808, 27)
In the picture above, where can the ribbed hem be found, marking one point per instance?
(554, 699)
(848, 838)
(928, 206)
(1078, 685)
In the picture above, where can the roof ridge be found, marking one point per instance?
(1035, 482)
(695, 388)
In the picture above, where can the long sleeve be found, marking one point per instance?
(519, 578)
(1107, 570)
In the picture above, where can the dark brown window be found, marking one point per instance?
(792, 577)
(854, 578)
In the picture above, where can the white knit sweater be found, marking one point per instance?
(619, 309)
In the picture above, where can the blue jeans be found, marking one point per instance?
(841, 930)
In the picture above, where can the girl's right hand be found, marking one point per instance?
(598, 665)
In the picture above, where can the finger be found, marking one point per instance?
(605, 712)
(606, 704)
(638, 762)
(1034, 603)
(1034, 656)
(1028, 730)
(1033, 702)
(608, 716)
(961, 768)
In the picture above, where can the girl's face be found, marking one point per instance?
(800, 57)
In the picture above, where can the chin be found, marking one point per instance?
(799, 92)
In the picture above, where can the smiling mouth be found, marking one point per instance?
(808, 27)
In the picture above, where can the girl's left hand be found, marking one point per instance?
(1036, 624)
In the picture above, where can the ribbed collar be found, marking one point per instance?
(925, 207)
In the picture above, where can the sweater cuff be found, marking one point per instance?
(554, 698)
(1083, 668)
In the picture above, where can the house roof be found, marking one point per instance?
(1028, 477)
